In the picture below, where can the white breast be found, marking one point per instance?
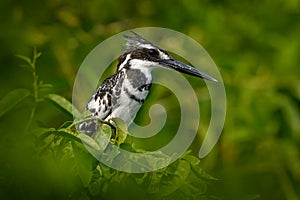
(128, 103)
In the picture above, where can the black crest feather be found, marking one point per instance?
(133, 42)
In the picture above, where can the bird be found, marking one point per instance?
(122, 94)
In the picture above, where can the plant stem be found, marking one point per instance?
(35, 85)
(34, 74)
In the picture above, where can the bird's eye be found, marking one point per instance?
(153, 52)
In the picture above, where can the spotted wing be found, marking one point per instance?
(103, 102)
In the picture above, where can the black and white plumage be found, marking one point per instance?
(122, 94)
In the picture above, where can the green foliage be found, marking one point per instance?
(64, 105)
(121, 131)
(184, 177)
(255, 44)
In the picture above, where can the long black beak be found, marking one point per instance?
(184, 68)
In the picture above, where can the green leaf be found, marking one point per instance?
(191, 159)
(25, 58)
(44, 85)
(102, 137)
(67, 134)
(196, 168)
(13, 98)
(45, 137)
(198, 171)
(154, 185)
(174, 177)
(100, 141)
(110, 153)
(154, 160)
(37, 55)
(140, 177)
(122, 130)
(64, 105)
(90, 142)
(96, 181)
(66, 124)
(167, 180)
(43, 133)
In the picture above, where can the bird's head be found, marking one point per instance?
(140, 52)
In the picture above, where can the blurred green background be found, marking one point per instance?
(255, 44)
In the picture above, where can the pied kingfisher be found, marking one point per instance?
(122, 94)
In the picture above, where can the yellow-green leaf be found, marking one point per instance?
(122, 130)
(64, 105)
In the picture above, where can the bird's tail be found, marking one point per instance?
(89, 127)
